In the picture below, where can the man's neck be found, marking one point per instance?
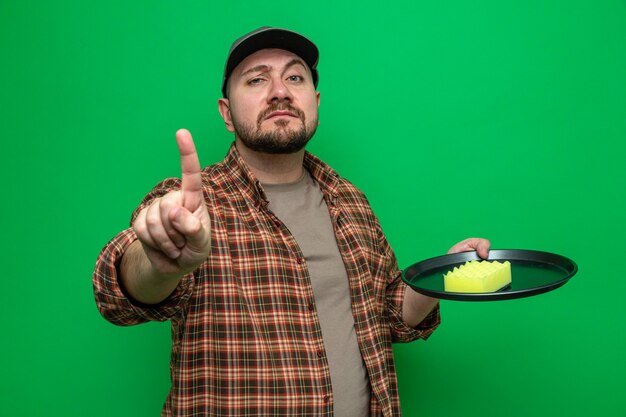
(272, 168)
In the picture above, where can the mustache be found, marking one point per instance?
(280, 107)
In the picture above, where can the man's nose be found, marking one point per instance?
(279, 91)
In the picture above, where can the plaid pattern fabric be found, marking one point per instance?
(246, 340)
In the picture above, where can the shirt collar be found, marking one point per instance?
(326, 177)
(245, 181)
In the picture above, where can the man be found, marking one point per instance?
(283, 293)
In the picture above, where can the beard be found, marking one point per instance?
(283, 139)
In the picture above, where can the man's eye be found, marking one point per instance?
(295, 78)
(255, 81)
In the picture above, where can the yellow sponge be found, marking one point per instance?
(478, 277)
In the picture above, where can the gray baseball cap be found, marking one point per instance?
(269, 37)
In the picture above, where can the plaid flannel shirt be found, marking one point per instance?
(246, 340)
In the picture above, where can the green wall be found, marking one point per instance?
(460, 118)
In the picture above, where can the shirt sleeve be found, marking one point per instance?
(400, 331)
(112, 300)
(396, 290)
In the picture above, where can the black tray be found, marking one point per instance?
(532, 272)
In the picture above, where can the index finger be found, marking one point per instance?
(190, 165)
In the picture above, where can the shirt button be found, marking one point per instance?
(311, 307)
(300, 261)
(320, 353)
(326, 398)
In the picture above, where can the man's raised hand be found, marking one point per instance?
(175, 230)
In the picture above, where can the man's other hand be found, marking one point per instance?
(481, 246)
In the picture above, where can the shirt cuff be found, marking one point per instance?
(403, 333)
(114, 302)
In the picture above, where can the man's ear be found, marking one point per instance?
(318, 106)
(223, 105)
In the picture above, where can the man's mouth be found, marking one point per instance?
(280, 110)
(280, 113)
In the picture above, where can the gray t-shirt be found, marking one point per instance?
(301, 207)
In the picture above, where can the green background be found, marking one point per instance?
(460, 118)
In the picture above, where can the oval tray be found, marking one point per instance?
(532, 272)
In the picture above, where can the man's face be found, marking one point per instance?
(272, 103)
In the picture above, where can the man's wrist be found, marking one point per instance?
(141, 280)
